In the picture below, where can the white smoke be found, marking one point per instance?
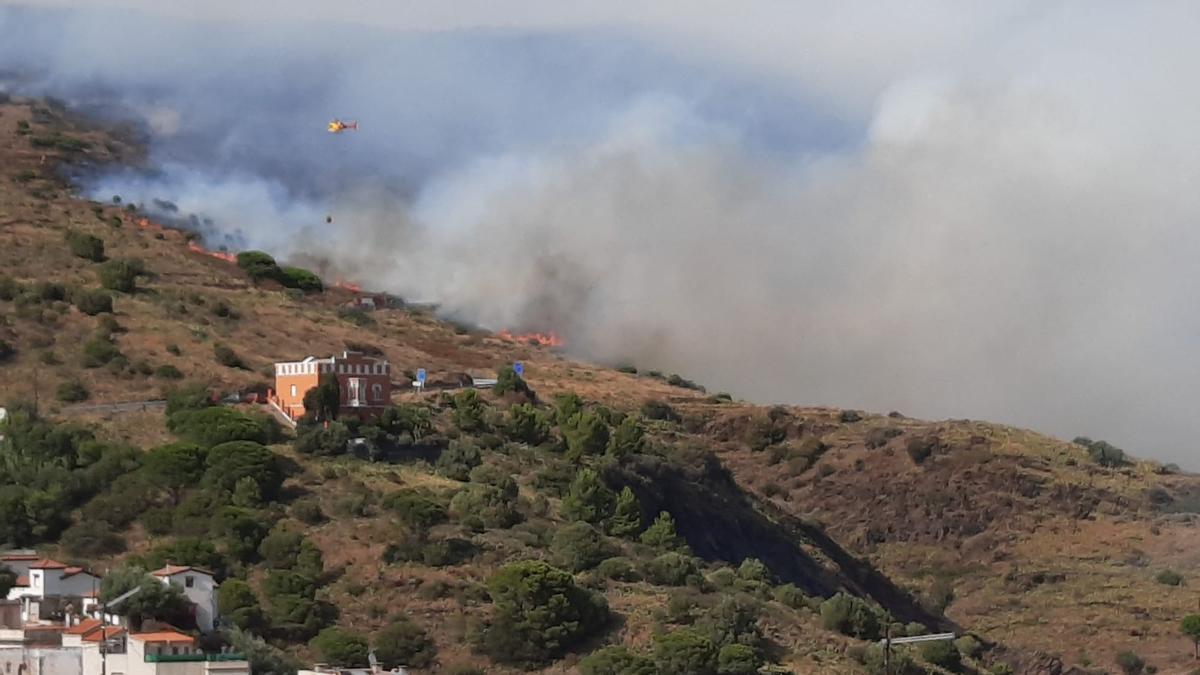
(951, 214)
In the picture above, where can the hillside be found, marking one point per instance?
(1023, 540)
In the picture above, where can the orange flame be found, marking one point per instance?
(147, 224)
(219, 255)
(538, 339)
(347, 286)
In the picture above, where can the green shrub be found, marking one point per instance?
(119, 275)
(1106, 454)
(508, 381)
(919, 448)
(578, 547)
(626, 520)
(296, 277)
(85, 245)
(627, 439)
(9, 288)
(72, 391)
(661, 533)
(99, 351)
(227, 357)
(239, 605)
(588, 498)
(616, 660)
(539, 613)
(445, 552)
(618, 569)
(942, 654)
(566, 406)
(215, 425)
(488, 503)
(341, 647)
(404, 643)
(469, 410)
(168, 372)
(91, 539)
(307, 511)
(658, 410)
(849, 615)
(671, 569)
(418, 509)
(228, 463)
(323, 441)
(968, 646)
(1169, 578)
(258, 265)
(735, 659)
(790, 595)
(458, 459)
(586, 433)
(94, 302)
(526, 424)
(685, 652)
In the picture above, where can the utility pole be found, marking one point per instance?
(104, 624)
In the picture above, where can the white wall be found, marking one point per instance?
(41, 661)
(202, 594)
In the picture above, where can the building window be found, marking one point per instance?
(377, 392)
(293, 391)
(189, 581)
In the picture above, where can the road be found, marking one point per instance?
(124, 407)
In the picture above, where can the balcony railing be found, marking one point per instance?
(178, 658)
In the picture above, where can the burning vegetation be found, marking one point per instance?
(219, 255)
(536, 339)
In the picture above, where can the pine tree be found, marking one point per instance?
(589, 499)
(626, 439)
(627, 517)
(661, 533)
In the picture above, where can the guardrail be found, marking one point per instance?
(181, 658)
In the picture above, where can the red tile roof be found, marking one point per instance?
(172, 570)
(15, 557)
(22, 581)
(48, 564)
(72, 571)
(84, 627)
(164, 636)
(109, 632)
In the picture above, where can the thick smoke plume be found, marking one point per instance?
(948, 213)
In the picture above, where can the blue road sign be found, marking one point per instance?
(519, 368)
(421, 375)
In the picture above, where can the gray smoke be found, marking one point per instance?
(949, 213)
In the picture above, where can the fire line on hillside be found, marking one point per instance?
(539, 339)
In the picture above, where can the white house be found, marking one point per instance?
(200, 589)
(47, 587)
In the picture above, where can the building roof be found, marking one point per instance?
(164, 636)
(84, 627)
(22, 581)
(19, 557)
(109, 632)
(172, 570)
(72, 571)
(48, 564)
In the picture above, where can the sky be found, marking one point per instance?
(950, 209)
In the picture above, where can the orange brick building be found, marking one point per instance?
(365, 383)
